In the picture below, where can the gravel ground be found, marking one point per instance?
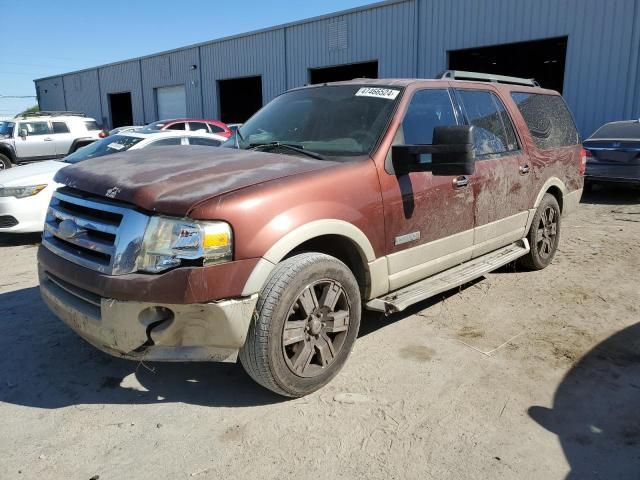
(518, 375)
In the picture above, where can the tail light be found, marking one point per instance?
(103, 134)
(586, 155)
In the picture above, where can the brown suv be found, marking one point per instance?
(369, 194)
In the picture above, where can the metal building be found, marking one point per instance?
(588, 49)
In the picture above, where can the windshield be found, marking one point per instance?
(332, 120)
(106, 146)
(6, 128)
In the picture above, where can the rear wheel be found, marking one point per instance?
(5, 162)
(544, 234)
(306, 322)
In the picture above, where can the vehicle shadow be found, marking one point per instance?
(19, 239)
(44, 364)
(596, 410)
(612, 195)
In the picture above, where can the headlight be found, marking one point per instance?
(167, 242)
(22, 192)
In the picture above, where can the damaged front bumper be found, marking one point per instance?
(152, 331)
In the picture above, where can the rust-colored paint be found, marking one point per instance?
(180, 286)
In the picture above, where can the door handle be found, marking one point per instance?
(524, 169)
(460, 182)
(48, 139)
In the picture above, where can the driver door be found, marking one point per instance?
(428, 220)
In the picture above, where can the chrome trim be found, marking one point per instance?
(120, 256)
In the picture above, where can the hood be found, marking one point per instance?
(31, 174)
(172, 180)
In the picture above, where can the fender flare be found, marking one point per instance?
(8, 151)
(85, 140)
(297, 237)
(551, 182)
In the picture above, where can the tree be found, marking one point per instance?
(33, 109)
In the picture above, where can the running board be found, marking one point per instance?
(454, 277)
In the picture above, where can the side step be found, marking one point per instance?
(454, 277)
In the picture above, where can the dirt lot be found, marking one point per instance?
(519, 375)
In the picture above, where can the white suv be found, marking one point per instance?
(44, 135)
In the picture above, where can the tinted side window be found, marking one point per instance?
(166, 142)
(490, 136)
(512, 142)
(177, 126)
(548, 118)
(35, 128)
(207, 142)
(60, 127)
(195, 126)
(428, 109)
(216, 129)
(91, 125)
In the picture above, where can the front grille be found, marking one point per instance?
(7, 221)
(95, 233)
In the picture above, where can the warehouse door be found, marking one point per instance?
(240, 98)
(543, 60)
(120, 109)
(343, 72)
(171, 102)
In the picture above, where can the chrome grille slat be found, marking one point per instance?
(107, 236)
(89, 244)
(62, 213)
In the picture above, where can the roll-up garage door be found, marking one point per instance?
(171, 102)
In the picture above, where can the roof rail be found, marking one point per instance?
(48, 113)
(488, 77)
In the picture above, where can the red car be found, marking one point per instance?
(192, 124)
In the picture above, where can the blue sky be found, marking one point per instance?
(43, 38)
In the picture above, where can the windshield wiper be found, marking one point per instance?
(275, 145)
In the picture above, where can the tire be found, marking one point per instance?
(318, 299)
(5, 162)
(544, 234)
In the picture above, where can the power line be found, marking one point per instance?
(18, 96)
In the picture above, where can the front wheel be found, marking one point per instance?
(544, 234)
(5, 162)
(306, 322)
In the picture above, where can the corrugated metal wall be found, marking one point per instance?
(82, 93)
(601, 72)
(408, 38)
(170, 69)
(50, 93)
(386, 34)
(123, 77)
(261, 54)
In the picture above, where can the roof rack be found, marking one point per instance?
(488, 77)
(47, 113)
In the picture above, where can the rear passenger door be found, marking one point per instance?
(62, 137)
(500, 196)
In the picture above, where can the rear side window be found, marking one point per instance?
(493, 132)
(91, 125)
(177, 126)
(60, 127)
(428, 109)
(196, 126)
(216, 129)
(548, 118)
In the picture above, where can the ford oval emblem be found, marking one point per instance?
(69, 229)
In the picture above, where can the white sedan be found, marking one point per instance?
(25, 191)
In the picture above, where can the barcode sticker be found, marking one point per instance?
(375, 92)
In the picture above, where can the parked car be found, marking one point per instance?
(25, 191)
(126, 129)
(613, 154)
(191, 124)
(44, 135)
(371, 194)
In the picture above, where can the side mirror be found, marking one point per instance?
(23, 132)
(451, 153)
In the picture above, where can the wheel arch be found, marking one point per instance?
(555, 187)
(337, 238)
(8, 151)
